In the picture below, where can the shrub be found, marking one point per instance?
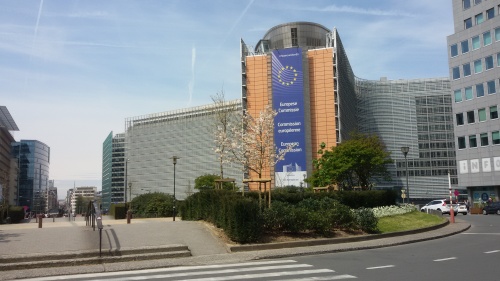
(16, 214)
(393, 210)
(366, 220)
(240, 217)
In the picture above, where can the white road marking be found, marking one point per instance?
(475, 233)
(250, 276)
(156, 270)
(220, 271)
(491, 252)
(333, 277)
(379, 267)
(446, 259)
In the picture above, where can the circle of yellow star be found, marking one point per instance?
(287, 69)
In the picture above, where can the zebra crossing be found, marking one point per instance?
(289, 270)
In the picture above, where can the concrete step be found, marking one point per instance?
(17, 262)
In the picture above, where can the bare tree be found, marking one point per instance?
(225, 118)
(253, 144)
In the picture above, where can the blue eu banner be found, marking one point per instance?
(288, 101)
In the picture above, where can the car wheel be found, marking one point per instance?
(498, 212)
(465, 214)
(484, 212)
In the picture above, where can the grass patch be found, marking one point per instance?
(409, 221)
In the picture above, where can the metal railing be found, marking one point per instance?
(93, 217)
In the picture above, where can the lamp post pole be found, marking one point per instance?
(405, 150)
(174, 160)
(125, 184)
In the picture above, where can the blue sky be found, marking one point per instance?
(71, 71)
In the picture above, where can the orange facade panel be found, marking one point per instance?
(322, 101)
(258, 84)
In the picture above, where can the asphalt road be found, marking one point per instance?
(472, 255)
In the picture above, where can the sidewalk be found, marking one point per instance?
(205, 247)
(67, 236)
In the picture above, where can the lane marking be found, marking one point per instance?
(491, 252)
(156, 270)
(379, 267)
(333, 277)
(446, 259)
(477, 233)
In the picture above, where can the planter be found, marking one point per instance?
(476, 211)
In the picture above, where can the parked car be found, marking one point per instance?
(492, 208)
(441, 205)
(462, 208)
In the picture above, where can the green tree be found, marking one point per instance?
(207, 181)
(355, 162)
(79, 205)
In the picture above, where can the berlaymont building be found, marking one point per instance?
(302, 70)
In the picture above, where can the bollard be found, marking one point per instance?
(129, 216)
(39, 221)
(53, 219)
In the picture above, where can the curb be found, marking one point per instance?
(328, 241)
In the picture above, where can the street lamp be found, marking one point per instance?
(405, 150)
(174, 160)
(125, 184)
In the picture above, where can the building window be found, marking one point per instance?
(476, 43)
(466, 4)
(486, 38)
(466, 69)
(454, 50)
(481, 114)
(468, 23)
(497, 34)
(465, 46)
(472, 141)
(498, 59)
(458, 95)
(488, 62)
(484, 139)
(490, 13)
(479, 90)
(461, 142)
(477, 2)
(478, 66)
(460, 119)
(479, 18)
(470, 117)
(493, 112)
(456, 73)
(295, 40)
(468, 93)
(495, 137)
(491, 87)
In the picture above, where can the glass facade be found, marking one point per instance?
(152, 140)
(33, 159)
(417, 114)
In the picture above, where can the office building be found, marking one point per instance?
(33, 157)
(7, 165)
(113, 170)
(303, 71)
(80, 197)
(153, 140)
(474, 63)
(415, 114)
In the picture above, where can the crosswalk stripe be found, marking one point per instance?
(262, 275)
(155, 270)
(221, 271)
